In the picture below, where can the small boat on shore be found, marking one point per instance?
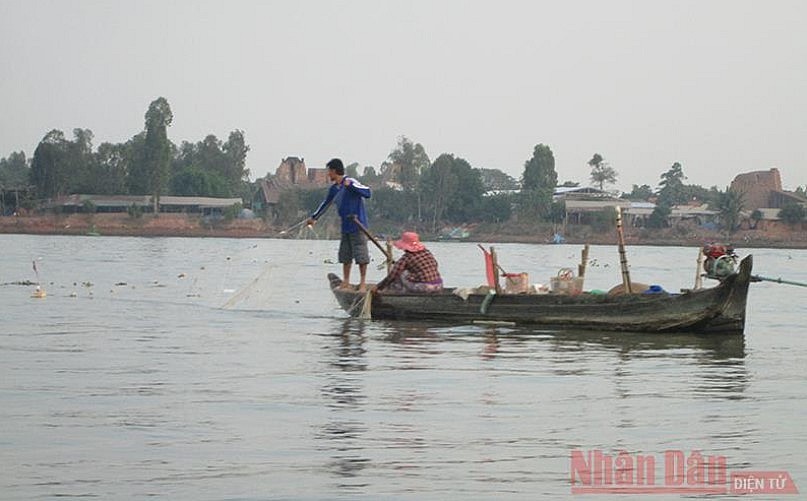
(716, 310)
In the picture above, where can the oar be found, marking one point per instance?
(757, 278)
(372, 238)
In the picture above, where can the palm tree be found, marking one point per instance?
(729, 204)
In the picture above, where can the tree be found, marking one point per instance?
(601, 171)
(792, 213)
(692, 192)
(50, 165)
(539, 171)
(671, 190)
(136, 177)
(212, 166)
(496, 208)
(569, 184)
(538, 183)
(658, 218)
(393, 205)
(464, 204)
(729, 205)
(756, 216)
(642, 193)
(110, 167)
(14, 171)
(195, 182)
(496, 180)
(535, 204)
(157, 150)
(411, 159)
(438, 184)
(81, 160)
(352, 170)
(235, 154)
(369, 176)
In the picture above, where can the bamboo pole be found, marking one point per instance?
(699, 270)
(758, 278)
(389, 255)
(495, 261)
(581, 268)
(363, 229)
(623, 259)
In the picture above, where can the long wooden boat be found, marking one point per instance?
(716, 310)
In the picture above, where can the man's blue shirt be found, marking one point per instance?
(349, 202)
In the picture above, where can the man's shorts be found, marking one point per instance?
(353, 247)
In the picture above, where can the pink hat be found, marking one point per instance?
(410, 241)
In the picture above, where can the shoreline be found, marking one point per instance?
(185, 226)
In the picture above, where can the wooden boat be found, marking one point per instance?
(716, 310)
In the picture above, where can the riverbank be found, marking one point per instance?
(166, 225)
(184, 225)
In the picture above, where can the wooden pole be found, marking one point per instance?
(623, 259)
(389, 255)
(699, 270)
(495, 270)
(758, 278)
(495, 264)
(581, 269)
(372, 239)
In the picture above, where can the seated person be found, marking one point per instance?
(415, 271)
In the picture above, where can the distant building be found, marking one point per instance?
(580, 193)
(292, 170)
(290, 174)
(268, 194)
(763, 189)
(122, 203)
(318, 177)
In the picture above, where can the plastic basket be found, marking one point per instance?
(570, 286)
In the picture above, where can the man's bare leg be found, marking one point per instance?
(363, 273)
(345, 275)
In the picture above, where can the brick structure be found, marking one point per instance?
(318, 177)
(292, 170)
(757, 187)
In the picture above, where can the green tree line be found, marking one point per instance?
(445, 190)
(147, 164)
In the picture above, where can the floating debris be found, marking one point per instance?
(121, 284)
(21, 282)
(181, 275)
(39, 293)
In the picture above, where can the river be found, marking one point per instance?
(183, 368)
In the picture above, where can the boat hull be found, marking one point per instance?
(717, 310)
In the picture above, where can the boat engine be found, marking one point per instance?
(720, 260)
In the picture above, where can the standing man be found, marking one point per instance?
(349, 195)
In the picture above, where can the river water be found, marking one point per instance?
(132, 378)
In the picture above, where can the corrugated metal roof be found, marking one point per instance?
(128, 200)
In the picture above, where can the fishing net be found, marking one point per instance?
(258, 288)
(367, 306)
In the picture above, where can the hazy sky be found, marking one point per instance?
(719, 86)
